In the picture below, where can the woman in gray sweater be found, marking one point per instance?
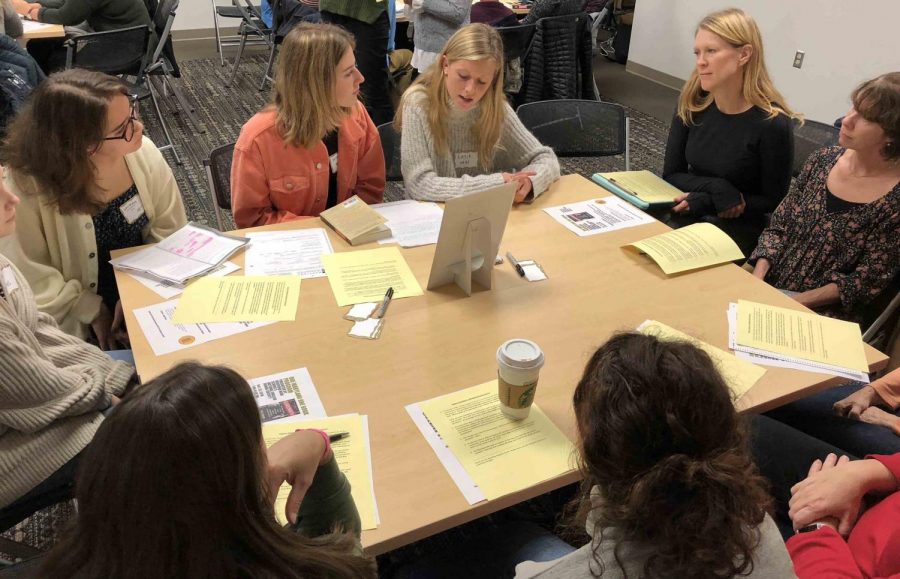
(459, 135)
(670, 486)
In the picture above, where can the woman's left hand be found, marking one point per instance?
(294, 459)
(681, 204)
(735, 211)
(830, 490)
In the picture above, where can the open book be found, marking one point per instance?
(356, 222)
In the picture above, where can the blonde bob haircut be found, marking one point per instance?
(471, 42)
(305, 82)
(738, 29)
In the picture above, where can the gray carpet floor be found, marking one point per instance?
(221, 111)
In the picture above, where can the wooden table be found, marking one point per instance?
(44, 31)
(443, 341)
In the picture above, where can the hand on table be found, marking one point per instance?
(830, 490)
(294, 459)
(522, 179)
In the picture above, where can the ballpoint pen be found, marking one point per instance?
(515, 263)
(338, 436)
(384, 303)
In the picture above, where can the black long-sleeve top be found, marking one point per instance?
(720, 156)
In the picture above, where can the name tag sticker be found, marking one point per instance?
(466, 160)
(132, 209)
(8, 279)
(332, 161)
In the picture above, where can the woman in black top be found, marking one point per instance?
(731, 144)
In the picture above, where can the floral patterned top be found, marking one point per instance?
(809, 247)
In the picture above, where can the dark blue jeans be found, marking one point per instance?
(814, 416)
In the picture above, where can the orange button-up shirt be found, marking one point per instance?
(273, 181)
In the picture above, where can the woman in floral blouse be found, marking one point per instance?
(834, 240)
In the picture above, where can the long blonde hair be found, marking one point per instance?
(738, 29)
(305, 80)
(471, 42)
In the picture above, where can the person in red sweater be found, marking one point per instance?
(836, 536)
(315, 145)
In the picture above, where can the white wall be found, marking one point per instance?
(845, 42)
(197, 14)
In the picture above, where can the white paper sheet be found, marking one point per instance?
(170, 289)
(598, 216)
(293, 385)
(411, 222)
(360, 312)
(771, 359)
(166, 337)
(32, 26)
(369, 329)
(288, 252)
(455, 469)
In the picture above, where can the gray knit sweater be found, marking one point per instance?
(431, 177)
(51, 388)
(437, 20)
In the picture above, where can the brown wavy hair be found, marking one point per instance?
(663, 444)
(878, 101)
(49, 143)
(173, 485)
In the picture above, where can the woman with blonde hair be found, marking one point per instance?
(314, 146)
(459, 135)
(731, 141)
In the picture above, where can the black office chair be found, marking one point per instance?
(123, 51)
(810, 137)
(390, 143)
(218, 174)
(579, 128)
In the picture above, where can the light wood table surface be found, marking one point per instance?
(444, 341)
(45, 31)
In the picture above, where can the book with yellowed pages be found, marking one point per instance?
(640, 188)
(693, 247)
(356, 222)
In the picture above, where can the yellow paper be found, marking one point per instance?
(692, 247)
(239, 299)
(501, 455)
(351, 453)
(364, 276)
(740, 375)
(801, 335)
(644, 185)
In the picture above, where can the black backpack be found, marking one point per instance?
(19, 75)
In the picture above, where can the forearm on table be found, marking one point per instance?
(820, 296)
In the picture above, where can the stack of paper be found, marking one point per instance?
(598, 216)
(287, 396)
(740, 375)
(192, 251)
(692, 247)
(787, 338)
(297, 252)
(411, 222)
(169, 289)
(486, 453)
(353, 454)
(640, 188)
(364, 276)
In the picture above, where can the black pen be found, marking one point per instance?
(515, 263)
(384, 303)
(338, 436)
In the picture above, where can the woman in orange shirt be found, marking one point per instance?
(315, 145)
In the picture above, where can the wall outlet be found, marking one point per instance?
(798, 59)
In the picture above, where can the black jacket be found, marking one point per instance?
(558, 64)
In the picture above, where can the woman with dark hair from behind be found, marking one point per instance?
(670, 486)
(190, 492)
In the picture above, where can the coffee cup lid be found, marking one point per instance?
(520, 353)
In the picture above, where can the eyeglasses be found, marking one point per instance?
(128, 130)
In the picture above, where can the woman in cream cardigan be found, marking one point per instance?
(90, 183)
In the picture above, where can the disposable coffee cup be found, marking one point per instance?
(519, 362)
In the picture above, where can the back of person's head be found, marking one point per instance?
(660, 438)
(878, 101)
(305, 79)
(173, 486)
(739, 29)
(473, 42)
(52, 138)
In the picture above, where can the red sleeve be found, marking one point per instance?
(251, 204)
(891, 462)
(370, 177)
(822, 554)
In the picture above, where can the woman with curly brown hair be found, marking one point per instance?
(670, 485)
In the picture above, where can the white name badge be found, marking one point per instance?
(8, 279)
(466, 160)
(132, 209)
(332, 160)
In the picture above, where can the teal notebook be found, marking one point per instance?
(640, 188)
